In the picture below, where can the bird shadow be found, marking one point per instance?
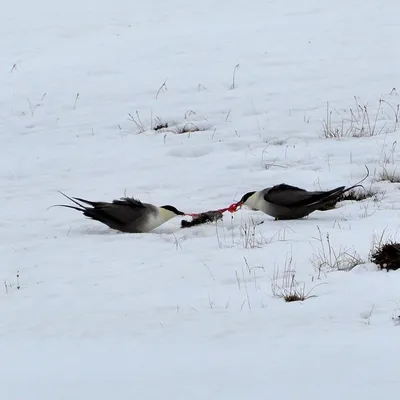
(113, 232)
(97, 232)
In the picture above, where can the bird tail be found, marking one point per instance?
(97, 211)
(326, 197)
(329, 199)
(78, 207)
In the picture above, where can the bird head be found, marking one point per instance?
(247, 199)
(170, 211)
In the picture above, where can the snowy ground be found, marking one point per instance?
(176, 314)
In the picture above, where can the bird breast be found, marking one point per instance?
(157, 217)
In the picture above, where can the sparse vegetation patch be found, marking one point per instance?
(359, 122)
(287, 287)
(328, 259)
(390, 176)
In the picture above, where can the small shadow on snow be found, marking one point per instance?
(111, 232)
(96, 231)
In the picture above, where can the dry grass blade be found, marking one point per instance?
(138, 122)
(234, 77)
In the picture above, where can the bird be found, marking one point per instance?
(284, 201)
(128, 215)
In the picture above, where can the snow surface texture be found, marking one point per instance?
(90, 313)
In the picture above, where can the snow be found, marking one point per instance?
(87, 312)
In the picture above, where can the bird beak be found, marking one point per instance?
(234, 207)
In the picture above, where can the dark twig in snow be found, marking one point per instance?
(233, 86)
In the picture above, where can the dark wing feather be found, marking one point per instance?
(130, 202)
(292, 196)
(123, 211)
(126, 210)
(117, 215)
(285, 195)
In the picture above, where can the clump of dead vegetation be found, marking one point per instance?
(158, 124)
(386, 255)
(188, 127)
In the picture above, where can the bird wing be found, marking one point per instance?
(122, 211)
(125, 210)
(126, 214)
(292, 196)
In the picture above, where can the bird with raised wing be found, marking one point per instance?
(127, 215)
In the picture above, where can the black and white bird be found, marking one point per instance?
(291, 202)
(127, 215)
